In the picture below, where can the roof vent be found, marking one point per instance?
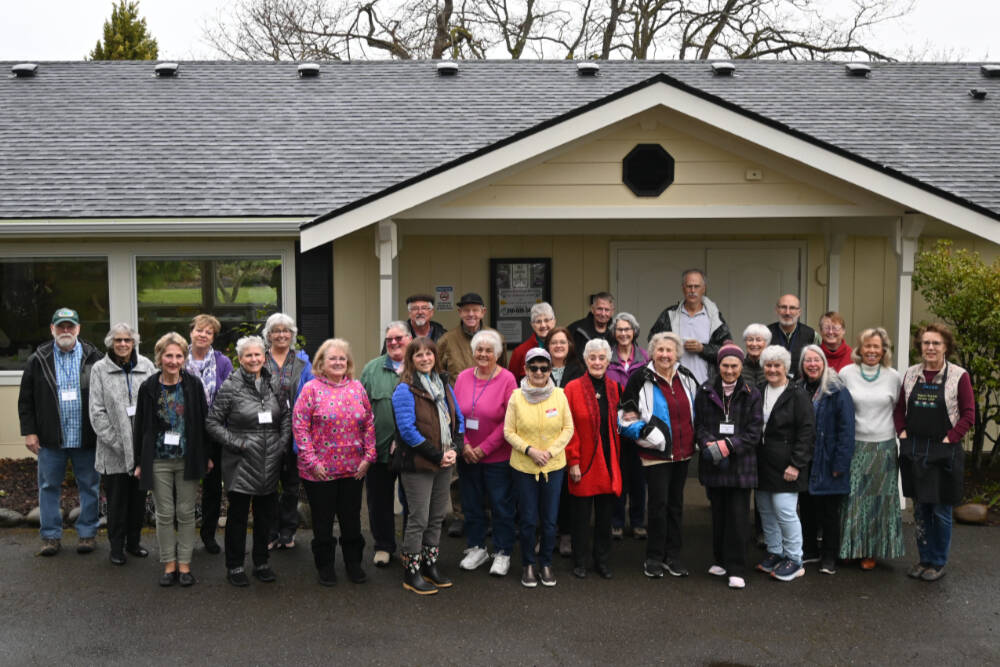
(977, 94)
(723, 69)
(24, 70)
(587, 69)
(990, 71)
(308, 70)
(164, 70)
(858, 69)
(447, 68)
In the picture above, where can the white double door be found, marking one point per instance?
(745, 279)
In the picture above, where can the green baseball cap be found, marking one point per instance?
(65, 315)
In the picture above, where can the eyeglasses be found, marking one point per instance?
(278, 332)
(932, 343)
(789, 307)
(621, 330)
(394, 339)
(836, 328)
(123, 340)
(426, 309)
(538, 369)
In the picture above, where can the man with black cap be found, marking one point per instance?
(455, 347)
(596, 324)
(55, 422)
(420, 310)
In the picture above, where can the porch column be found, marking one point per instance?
(386, 247)
(834, 246)
(908, 230)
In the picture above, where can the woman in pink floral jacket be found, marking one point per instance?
(334, 429)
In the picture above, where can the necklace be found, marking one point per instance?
(872, 378)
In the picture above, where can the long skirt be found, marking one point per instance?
(871, 524)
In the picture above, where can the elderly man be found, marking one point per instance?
(379, 378)
(789, 333)
(420, 308)
(697, 320)
(455, 347)
(596, 324)
(543, 320)
(54, 412)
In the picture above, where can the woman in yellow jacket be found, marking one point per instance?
(538, 426)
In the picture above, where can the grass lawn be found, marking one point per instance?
(192, 295)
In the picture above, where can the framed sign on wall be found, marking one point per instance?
(515, 286)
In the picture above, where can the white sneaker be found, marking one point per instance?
(717, 571)
(474, 557)
(737, 582)
(501, 565)
(381, 558)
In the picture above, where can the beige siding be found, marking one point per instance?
(356, 294)
(11, 442)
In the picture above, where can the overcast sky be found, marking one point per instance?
(68, 29)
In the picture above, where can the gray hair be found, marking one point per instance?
(278, 319)
(662, 336)
(757, 329)
(829, 380)
(543, 309)
(249, 341)
(632, 322)
(597, 345)
(121, 327)
(687, 272)
(773, 353)
(397, 324)
(487, 336)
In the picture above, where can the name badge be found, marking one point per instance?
(551, 412)
(68, 394)
(264, 417)
(727, 428)
(472, 424)
(172, 438)
(130, 411)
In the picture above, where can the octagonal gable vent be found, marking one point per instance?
(648, 170)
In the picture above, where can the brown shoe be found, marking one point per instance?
(867, 563)
(86, 545)
(50, 547)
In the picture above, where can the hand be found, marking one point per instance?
(392, 448)
(946, 440)
(362, 469)
(211, 464)
(902, 436)
(691, 345)
(837, 473)
(31, 442)
(480, 454)
(574, 472)
(138, 472)
(468, 454)
(791, 474)
(539, 456)
(448, 459)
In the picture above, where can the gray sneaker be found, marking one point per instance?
(932, 573)
(50, 547)
(86, 545)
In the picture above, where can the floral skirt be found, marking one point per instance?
(871, 523)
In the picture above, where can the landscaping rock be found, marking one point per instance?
(974, 513)
(305, 515)
(74, 514)
(10, 518)
(34, 517)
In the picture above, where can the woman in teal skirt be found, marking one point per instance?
(872, 527)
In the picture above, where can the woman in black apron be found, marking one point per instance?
(936, 408)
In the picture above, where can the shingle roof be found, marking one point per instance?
(108, 139)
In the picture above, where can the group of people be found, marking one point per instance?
(584, 432)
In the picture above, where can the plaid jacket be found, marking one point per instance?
(739, 469)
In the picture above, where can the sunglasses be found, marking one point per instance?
(538, 369)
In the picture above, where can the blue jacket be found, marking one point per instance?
(834, 444)
(404, 406)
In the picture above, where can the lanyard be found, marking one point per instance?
(727, 404)
(128, 382)
(475, 381)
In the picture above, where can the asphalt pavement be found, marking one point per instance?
(74, 609)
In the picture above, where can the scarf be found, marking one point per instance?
(534, 394)
(206, 370)
(728, 387)
(432, 385)
(837, 359)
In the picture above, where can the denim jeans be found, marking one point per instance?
(538, 501)
(51, 473)
(782, 530)
(477, 482)
(933, 531)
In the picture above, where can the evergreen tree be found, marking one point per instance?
(125, 36)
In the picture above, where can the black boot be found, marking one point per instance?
(355, 573)
(428, 568)
(353, 553)
(412, 579)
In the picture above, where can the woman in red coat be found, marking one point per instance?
(593, 456)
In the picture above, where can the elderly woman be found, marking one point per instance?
(782, 465)
(657, 412)
(755, 338)
(728, 423)
(254, 428)
(936, 408)
(212, 367)
(290, 371)
(837, 352)
(171, 452)
(592, 457)
(379, 378)
(334, 429)
(538, 425)
(627, 358)
(484, 467)
(830, 470)
(871, 524)
(430, 426)
(543, 320)
(114, 391)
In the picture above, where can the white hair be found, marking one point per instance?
(829, 380)
(487, 336)
(658, 338)
(280, 319)
(629, 318)
(397, 324)
(773, 353)
(121, 327)
(758, 330)
(542, 309)
(249, 341)
(596, 345)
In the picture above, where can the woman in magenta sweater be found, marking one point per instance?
(334, 428)
(484, 470)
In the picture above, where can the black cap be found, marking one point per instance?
(419, 297)
(470, 299)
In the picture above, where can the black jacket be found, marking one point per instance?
(574, 370)
(584, 330)
(38, 400)
(148, 425)
(789, 439)
(710, 350)
(802, 336)
(739, 469)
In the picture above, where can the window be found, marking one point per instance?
(32, 288)
(241, 293)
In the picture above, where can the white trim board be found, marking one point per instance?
(166, 227)
(395, 204)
